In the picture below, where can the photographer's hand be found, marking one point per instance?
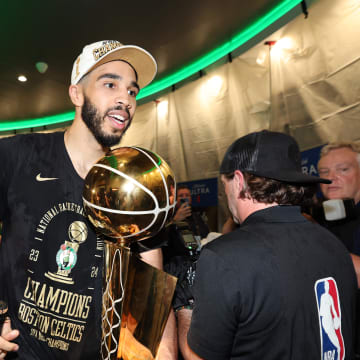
(182, 212)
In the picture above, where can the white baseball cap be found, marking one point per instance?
(101, 52)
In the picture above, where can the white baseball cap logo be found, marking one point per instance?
(101, 52)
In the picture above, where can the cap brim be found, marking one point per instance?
(141, 60)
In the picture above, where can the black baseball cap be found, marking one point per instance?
(268, 154)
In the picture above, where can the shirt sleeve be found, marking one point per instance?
(8, 151)
(2, 177)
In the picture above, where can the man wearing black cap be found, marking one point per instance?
(280, 286)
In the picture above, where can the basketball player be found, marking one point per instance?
(52, 281)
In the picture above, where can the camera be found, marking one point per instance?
(182, 241)
(184, 201)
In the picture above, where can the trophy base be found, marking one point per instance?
(136, 305)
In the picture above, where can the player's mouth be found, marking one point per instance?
(119, 121)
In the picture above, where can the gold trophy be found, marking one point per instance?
(129, 195)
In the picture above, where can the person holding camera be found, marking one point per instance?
(196, 220)
(182, 249)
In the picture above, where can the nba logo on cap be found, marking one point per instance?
(328, 304)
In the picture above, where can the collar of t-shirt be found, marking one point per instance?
(276, 214)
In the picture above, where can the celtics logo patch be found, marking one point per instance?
(66, 257)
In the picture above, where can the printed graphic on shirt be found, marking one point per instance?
(57, 300)
(67, 255)
(328, 303)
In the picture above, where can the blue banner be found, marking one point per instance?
(203, 192)
(309, 160)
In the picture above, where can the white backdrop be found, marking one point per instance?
(315, 94)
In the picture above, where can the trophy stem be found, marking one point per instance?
(116, 263)
(136, 304)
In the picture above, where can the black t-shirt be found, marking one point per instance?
(347, 230)
(258, 290)
(50, 258)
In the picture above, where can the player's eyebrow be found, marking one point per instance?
(110, 76)
(116, 77)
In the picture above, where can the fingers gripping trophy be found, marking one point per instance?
(129, 195)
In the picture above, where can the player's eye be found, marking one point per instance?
(109, 85)
(132, 92)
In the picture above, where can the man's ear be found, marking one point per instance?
(239, 182)
(76, 95)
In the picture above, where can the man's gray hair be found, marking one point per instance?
(355, 147)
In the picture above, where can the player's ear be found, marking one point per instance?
(76, 94)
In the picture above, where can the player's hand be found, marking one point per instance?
(6, 338)
(183, 212)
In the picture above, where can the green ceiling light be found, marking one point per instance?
(32, 123)
(241, 38)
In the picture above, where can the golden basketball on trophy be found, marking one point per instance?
(129, 195)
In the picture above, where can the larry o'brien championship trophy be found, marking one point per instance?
(129, 196)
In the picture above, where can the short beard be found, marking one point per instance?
(94, 121)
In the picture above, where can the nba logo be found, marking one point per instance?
(328, 304)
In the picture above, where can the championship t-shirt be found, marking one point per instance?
(50, 257)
